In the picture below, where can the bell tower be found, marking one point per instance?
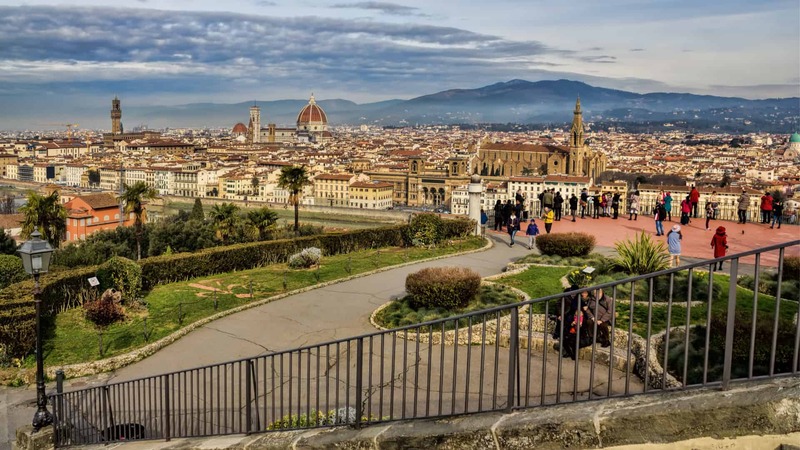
(576, 132)
(116, 116)
(254, 130)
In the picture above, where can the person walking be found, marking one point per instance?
(513, 226)
(709, 214)
(558, 204)
(714, 201)
(674, 245)
(634, 205)
(573, 206)
(660, 214)
(766, 207)
(668, 205)
(694, 199)
(498, 215)
(777, 213)
(532, 231)
(507, 209)
(548, 217)
(720, 245)
(615, 205)
(742, 205)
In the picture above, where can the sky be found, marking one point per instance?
(166, 52)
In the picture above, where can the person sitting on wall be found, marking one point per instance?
(601, 306)
(580, 323)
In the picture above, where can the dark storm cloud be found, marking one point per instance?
(383, 7)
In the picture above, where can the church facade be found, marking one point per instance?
(311, 126)
(505, 160)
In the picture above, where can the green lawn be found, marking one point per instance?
(73, 339)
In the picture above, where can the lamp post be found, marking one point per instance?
(35, 254)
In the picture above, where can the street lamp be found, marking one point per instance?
(35, 254)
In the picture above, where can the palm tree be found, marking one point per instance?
(134, 197)
(224, 217)
(47, 214)
(254, 183)
(294, 178)
(262, 220)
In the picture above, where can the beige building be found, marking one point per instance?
(332, 189)
(371, 195)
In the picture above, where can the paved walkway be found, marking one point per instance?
(343, 310)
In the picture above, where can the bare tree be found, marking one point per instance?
(7, 204)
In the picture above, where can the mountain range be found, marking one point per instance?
(515, 101)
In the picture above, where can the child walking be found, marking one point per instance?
(674, 245)
(532, 231)
(720, 245)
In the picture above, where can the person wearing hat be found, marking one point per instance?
(674, 245)
(548, 217)
(720, 245)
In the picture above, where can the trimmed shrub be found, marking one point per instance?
(791, 268)
(641, 255)
(123, 275)
(565, 244)
(308, 257)
(444, 287)
(105, 310)
(424, 229)
(11, 270)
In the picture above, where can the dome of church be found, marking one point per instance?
(239, 128)
(795, 138)
(312, 114)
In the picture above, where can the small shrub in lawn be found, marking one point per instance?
(445, 287)
(565, 244)
(123, 275)
(308, 257)
(423, 230)
(791, 268)
(105, 310)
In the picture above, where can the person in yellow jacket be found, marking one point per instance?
(548, 217)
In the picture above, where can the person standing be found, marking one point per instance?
(548, 217)
(674, 245)
(720, 245)
(507, 209)
(694, 199)
(573, 206)
(596, 205)
(714, 201)
(777, 213)
(615, 204)
(484, 219)
(498, 215)
(668, 205)
(532, 231)
(660, 214)
(584, 202)
(743, 204)
(558, 204)
(766, 207)
(634, 205)
(686, 210)
(547, 198)
(513, 226)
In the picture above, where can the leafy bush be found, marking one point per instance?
(445, 287)
(791, 268)
(105, 310)
(579, 278)
(565, 244)
(308, 257)
(11, 270)
(424, 229)
(121, 274)
(641, 255)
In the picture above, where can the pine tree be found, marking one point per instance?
(197, 210)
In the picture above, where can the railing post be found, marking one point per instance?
(513, 351)
(248, 395)
(731, 319)
(167, 429)
(359, 379)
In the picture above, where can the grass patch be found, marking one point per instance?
(72, 339)
(400, 312)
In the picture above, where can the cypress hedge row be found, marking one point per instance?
(68, 289)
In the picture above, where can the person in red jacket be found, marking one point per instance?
(694, 198)
(720, 245)
(766, 207)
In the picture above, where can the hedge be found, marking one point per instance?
(442, 287)
(69, 289)
(565, 244)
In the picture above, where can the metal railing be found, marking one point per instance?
(673, 329)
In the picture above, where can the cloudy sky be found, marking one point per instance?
(183, 51)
